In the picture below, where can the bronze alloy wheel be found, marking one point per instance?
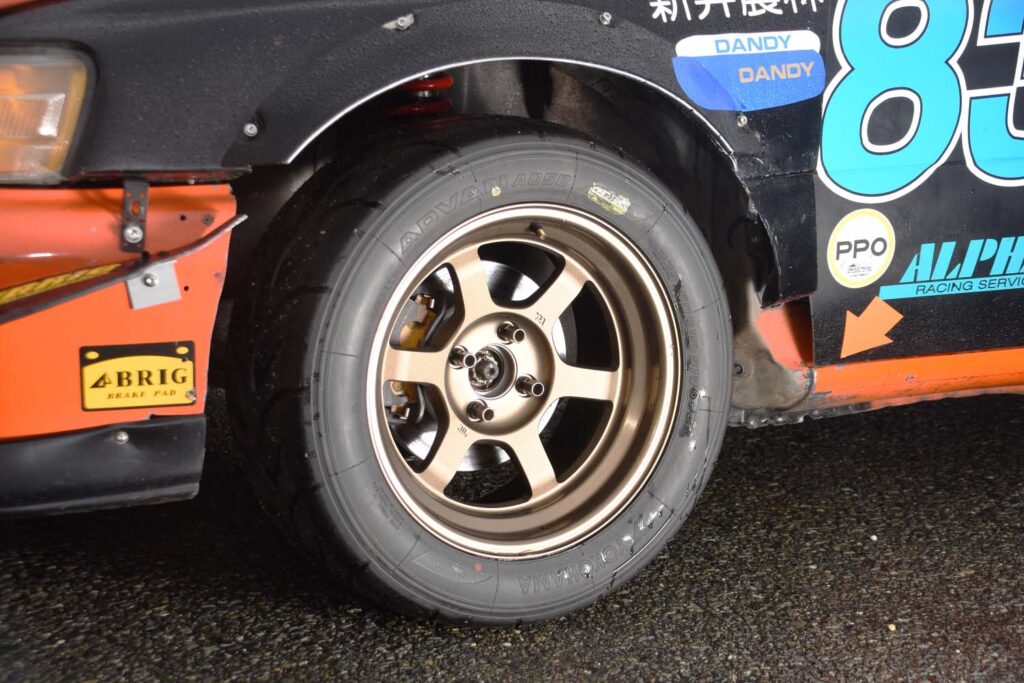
(483, 370)
(523, 384)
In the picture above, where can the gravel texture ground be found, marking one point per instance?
(883, 546)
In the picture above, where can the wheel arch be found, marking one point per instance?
(745, 244)
(316, 93)
(304, 150)
(706, 126)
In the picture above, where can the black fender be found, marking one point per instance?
(178, 81)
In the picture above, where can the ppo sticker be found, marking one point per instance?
(861, 248)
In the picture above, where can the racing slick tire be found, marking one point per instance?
(483, 373)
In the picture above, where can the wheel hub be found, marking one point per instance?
(509, 368)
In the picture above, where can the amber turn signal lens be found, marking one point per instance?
(40, 101)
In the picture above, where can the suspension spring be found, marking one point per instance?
(426, 95)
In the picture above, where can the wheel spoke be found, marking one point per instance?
(559, 295)
(421, 367)
(446, 457)
(471, 278)
(533, 458)
(577, 382)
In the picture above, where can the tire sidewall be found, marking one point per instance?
(358, 508)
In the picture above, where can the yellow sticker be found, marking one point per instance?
(138, 376)
(608, 200)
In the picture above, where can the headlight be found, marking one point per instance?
(41, 97)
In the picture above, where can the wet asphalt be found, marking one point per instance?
(883, 546)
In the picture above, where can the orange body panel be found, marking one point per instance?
(39, 352)
(888, 382)
(877, 384)
(8, 4)
(787, 331)
(46, 232)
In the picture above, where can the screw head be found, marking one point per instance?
(121, 437)
(488, 370)
(133, 234)
(404, 22)
(742, 120)
(251, 130)
(605, 18)
(150, 280)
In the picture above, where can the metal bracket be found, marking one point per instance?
(154, 285)
(133, 215)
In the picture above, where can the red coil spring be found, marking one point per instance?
(427, 96)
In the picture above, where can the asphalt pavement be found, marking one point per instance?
(879, 547)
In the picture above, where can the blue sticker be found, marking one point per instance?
(750, 71)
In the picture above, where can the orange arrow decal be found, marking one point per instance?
(869, 329)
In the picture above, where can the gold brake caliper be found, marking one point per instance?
(411, 336)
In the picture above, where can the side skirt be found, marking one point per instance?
(161, 460)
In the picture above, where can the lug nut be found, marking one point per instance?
(529, 387)
(511, 333)
(461, 358)
(478, 411)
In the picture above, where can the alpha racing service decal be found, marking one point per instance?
(750, 71)
(861, 248)
(138, 375)
(982, 265)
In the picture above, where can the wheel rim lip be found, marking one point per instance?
(667, 393)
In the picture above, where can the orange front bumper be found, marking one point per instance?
(45, 330)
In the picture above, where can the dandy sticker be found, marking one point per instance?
(750, 71)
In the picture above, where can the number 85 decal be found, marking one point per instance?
(920, 67)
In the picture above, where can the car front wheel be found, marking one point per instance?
(485, 373)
